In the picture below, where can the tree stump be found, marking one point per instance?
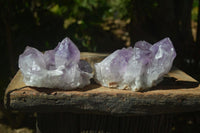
(97, 109)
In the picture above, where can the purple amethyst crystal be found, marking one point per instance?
(137, 68)
(57, 68)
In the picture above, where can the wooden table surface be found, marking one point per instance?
(177, 93)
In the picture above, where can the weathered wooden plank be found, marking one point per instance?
(177, 93)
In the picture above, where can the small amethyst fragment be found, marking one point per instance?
(57, 68)
(137, 68)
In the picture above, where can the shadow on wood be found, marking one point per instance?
(52, 90)
(172, 83)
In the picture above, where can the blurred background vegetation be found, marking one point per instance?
(96, 26)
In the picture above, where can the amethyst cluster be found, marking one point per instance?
(57, 68)
(137, 68)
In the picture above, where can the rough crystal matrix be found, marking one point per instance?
(57, 68)
(136, 68)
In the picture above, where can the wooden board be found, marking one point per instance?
(177, 93)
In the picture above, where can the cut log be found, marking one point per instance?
(100, 109)
(177, 93)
